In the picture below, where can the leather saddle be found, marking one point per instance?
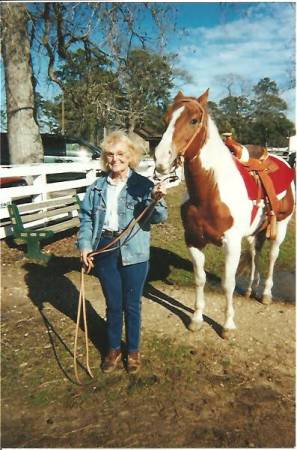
(265, 170)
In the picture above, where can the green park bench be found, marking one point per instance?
(58, 216)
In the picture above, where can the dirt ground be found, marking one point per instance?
(194, 390)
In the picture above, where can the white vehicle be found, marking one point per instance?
(60, 149)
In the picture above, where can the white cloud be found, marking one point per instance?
(259, 44)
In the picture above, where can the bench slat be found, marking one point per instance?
(47, 203)
(46, 214)
(55, 228)
(63, 225)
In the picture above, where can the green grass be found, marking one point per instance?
(170, 259)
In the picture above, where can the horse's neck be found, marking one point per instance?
(210, 170)
(214, 153)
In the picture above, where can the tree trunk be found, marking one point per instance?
(25, 145)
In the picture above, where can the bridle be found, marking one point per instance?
(189, 152)
(170, 178)
(199, 137)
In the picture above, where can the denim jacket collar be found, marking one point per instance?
(101, 182)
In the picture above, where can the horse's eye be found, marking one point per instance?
(194, 121)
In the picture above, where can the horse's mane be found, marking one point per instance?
(216, 143)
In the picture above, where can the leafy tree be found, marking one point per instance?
(146, 80)
(258, 120)
(96, 97)
(220, 118)
(269, 125)
(236, 112)
(90, 92)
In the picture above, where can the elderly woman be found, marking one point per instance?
(110, 204)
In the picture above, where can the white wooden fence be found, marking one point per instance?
(39, 188)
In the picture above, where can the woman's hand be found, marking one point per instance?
(159, 191)
(88, 262)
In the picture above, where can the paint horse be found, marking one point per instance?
(219, 207)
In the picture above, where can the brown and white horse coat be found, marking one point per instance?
(218, 209)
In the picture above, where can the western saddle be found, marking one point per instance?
(259, 165)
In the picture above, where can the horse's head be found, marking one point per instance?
(185, 134)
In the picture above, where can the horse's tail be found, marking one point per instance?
(245, 263)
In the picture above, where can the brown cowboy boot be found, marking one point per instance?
(133, 365)
(111, 361)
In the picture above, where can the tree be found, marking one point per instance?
(146, 79)
(101, 28)
(96, 96)
(23, 133)
(233, 115)
(269, 124)
(234, 84)
(90, 91)
(46, 116)
(236, 112)
(257, 120)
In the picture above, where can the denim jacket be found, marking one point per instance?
(133, 198)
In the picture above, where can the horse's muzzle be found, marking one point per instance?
(162, 169)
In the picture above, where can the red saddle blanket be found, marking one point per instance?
(281, 177)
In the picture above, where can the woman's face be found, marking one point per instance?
(118, 158)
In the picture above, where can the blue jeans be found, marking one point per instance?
(122, 287)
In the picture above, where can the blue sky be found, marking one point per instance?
(248, 40)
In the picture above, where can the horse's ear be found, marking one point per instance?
(178, 96)
(203, 99)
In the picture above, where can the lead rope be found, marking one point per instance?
(81, 304)
(82, 299)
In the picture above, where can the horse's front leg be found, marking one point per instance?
(198, 259)
(232, 255)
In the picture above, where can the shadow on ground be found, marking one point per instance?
(162, 261)
(177, 308)
(48, 284)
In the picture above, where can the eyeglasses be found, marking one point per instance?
(111, 155)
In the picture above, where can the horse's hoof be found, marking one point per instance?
(266, 300)
(195, 326)
(248, 293)
(227, 333)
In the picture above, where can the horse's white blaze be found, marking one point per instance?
(165, 153)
